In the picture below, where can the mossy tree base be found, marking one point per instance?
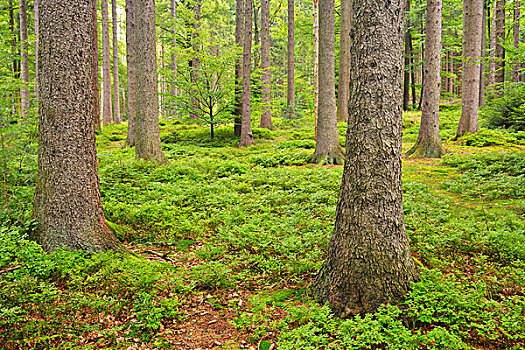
(334, 156)
(427, 149)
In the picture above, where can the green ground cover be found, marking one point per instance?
(223, 243)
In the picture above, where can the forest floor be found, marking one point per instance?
(224, 242)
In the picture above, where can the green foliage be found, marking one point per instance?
(488, 137)
(506, 109)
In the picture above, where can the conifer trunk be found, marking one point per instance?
(266, 117)
(239, 28)
(37, 25)
(316, 62)
(516, 29)
(24, 59)
(116, 87)
(246, 129)
(132, 77)
(107, 111)
(96, 92)
(290, 91)
(500, 41)
(344, 65)
(492, 49)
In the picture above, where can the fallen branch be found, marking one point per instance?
(10, 269)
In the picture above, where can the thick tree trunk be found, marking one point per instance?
(246, 129)
(500, 41)
(24, 59)
(472, 22)
(132, 77)
(266, 117)
(316, 63)
(239, 28)
(106, 66)
(516, 28)
(290, 91)
(327, 148)
(428, 143)
(369, 261)
(483, 58)
(116, 87)
(67, 203)
(492, 49)
(344, 65)
(147, 139)
(96, 93)
(37, 26)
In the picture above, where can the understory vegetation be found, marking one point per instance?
(223, 244)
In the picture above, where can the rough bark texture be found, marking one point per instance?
(67, 203)
(37, 25)
(195, 62)
(246, 129)
(500, 40)
(344, 64)
(483, 59)
(428, 143)
(516, 32)
(95, 66)
(173, 13)
(106, 66)
(472, 21)
(116, 87)
(132, 77)
(24, 59)
(369, 261)
(266, 117)
(290, 92)
(327, 148)
(147, 139)
(239, 28)
(316, 62)
(492, 49)
(406, 76)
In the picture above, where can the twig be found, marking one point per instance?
(10, 269)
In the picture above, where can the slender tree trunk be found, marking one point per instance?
(516, 28)
(123, 104)
(428, 143)
(266, 117)
(412, 71)
(406, 77)
(195, 62)
(239, 28)
(67, 204)
(173, 13)
(246, 129)
(116, 87)
(316, 63)
(291, 59)
(132, 77)
(37, 25)
(344, 67)
(327, 148)
(500, 41)
(106, 66)
(483, 60)
(162, 77)
(16, 57)
(96, 92)
(492, 50)
(147, 139)
(24, 59)
(369, 261)
(256, 37)
(472, 22)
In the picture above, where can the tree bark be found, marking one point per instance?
(500, 41)
(266, 117)
(327, 148)
(67, 204)
(246, 129)
(316, 63)
(472, 22)
(37, 25)
(106, 66)
(483, 58)
(344, 65)
(290, 92)
(24, 59)
(516, 28)
(96, 92)
(173, 13)
(195, 62)
(369, 261)
(132, 77)
(406, 77)
(116, 87)
(492, 49)
(239, 28)
(428, 143)
(147, 139)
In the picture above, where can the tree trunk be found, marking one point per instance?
(246, 129)
(37, 25)
(291, 58)
(492, 49)
(106, 68)
(24, 59)
(256, 37)
(266, 117)
(316, 63)
(173, 13)
(406, 77)
(195, 62)
(412, 71)
(516, 27)
(428, 143)
(116, 87)
(472, 22)
(147, 139)
(123, 104)
(96, 93)
(483, 56)
(500, 41)
(132, 77)
(15, 55)
(239, 28)
(67, 204)
(327, 148)
(369, 261)
(344, 65)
